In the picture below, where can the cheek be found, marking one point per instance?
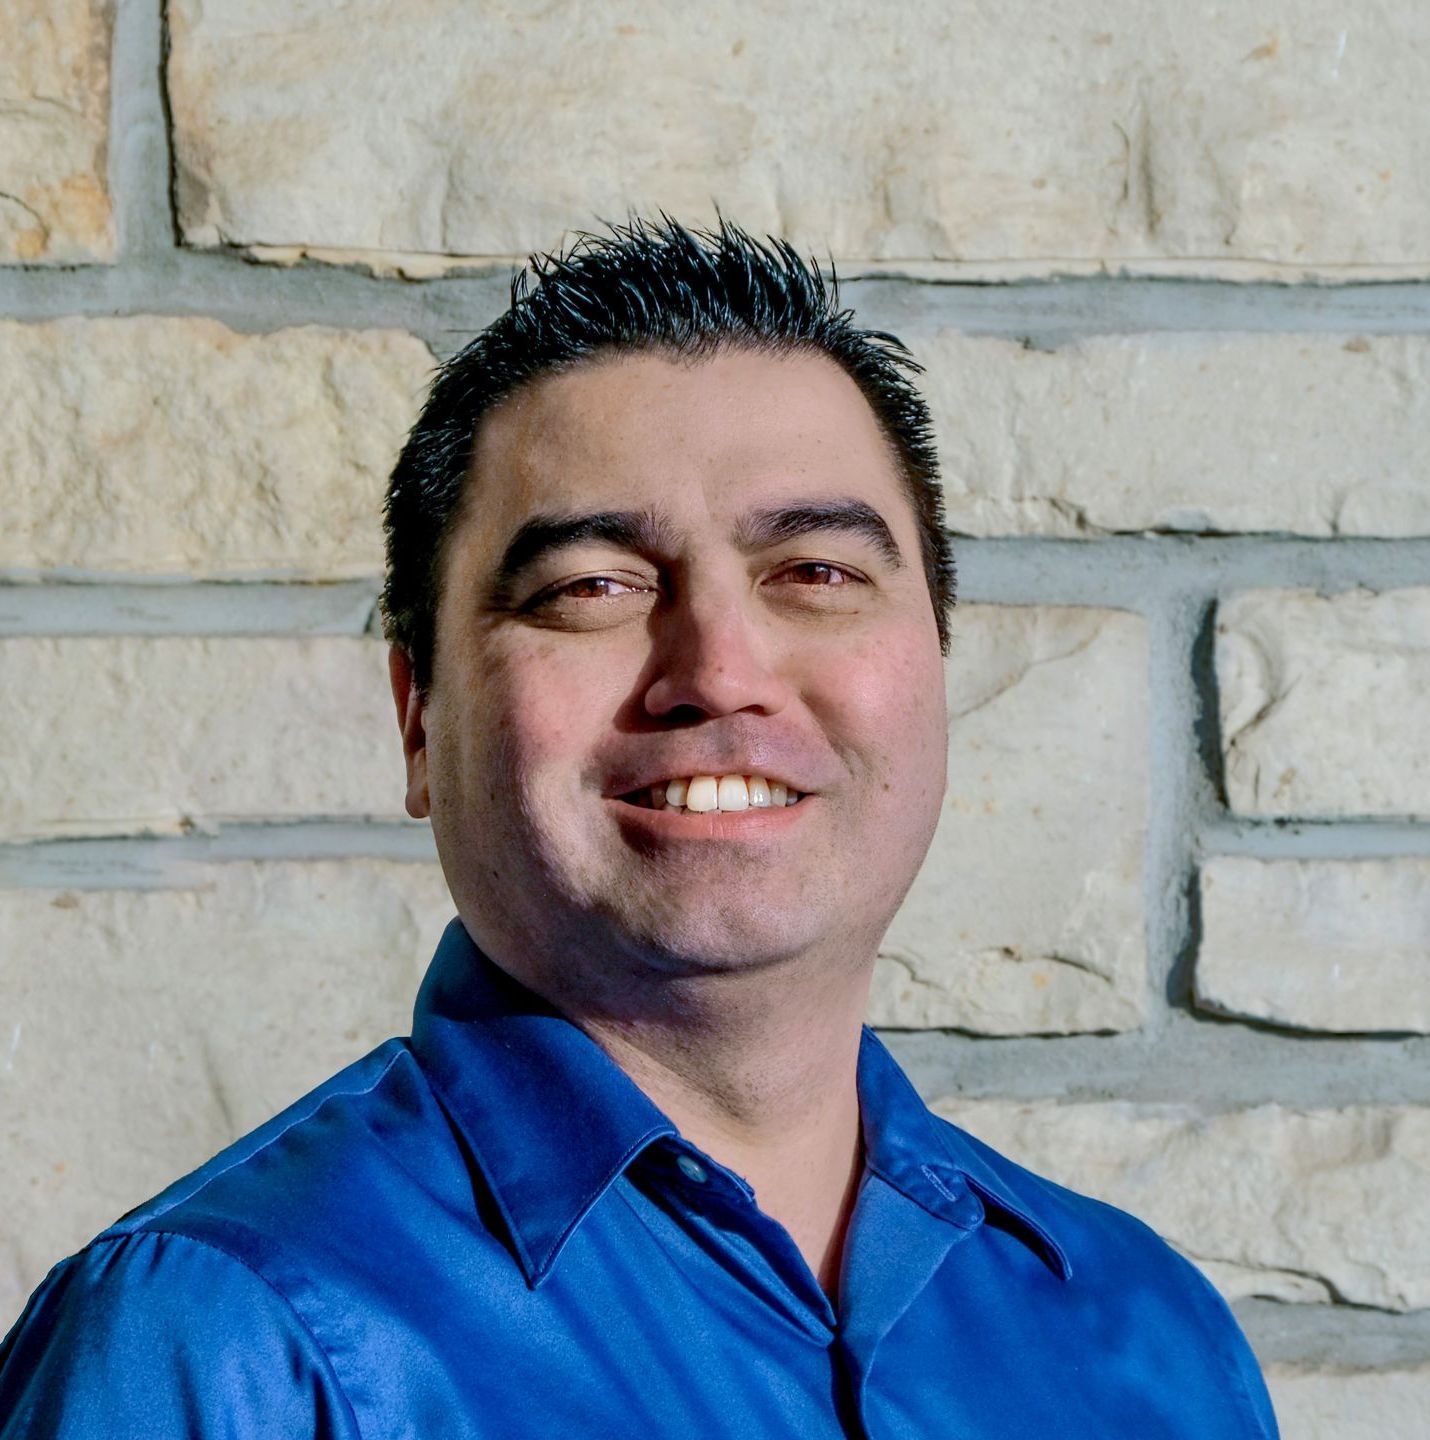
(890, 703)
(543, 715)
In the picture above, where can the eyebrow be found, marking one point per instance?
(635, 530)
(766, 528)
(646, 532)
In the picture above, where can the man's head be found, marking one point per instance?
(672, 515)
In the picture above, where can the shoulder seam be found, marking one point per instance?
(288, 1306)
(151, 1224)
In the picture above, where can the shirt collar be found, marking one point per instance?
(937, 1165)
(552, 1120)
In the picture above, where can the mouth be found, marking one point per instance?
(713, 794)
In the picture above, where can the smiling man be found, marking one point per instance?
(668, 597)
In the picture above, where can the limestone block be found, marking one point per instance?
(54, 132)
(142, 1030)
(1279, 139)
(1319, 944)
(1350, 1404)
(1318, 1205)
(1323, 702)
(162, 735)
(159, 446)
(1027, 917)
(1299, 434)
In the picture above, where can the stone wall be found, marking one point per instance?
(1172, 943)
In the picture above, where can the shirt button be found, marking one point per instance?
(692, 1169)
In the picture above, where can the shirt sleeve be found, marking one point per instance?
(160, 1335)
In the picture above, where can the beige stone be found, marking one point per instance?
(1323, 702)
(1278, 139)
(142, 1030)
(1303, 434)
(1027, 915)
(1296, 1205)
(1319, 944)
(1350, 1404)
(54, 132)
(158, 446)
(108, 736)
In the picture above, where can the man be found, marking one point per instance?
(668, 597)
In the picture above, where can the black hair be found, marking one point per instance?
(645, 286)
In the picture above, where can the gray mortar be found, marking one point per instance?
(181, 608)
(1180, 1056)
(1317, 1335)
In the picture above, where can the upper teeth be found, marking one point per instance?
(702, 793)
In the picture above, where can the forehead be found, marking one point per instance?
(700, 439)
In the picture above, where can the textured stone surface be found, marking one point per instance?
(166, 446)
(54, 131)
(1350, 1404)
(141, 1031)
(1319, 944)
(1304, 434)
(1282, 138)
(1324, 702)
(1296, 1205)
(1027, 915)
(107, 736)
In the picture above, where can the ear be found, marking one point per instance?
(409, 703)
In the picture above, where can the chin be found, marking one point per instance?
(699, 942)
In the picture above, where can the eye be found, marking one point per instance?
(596, 587)
(590, 602)
(820, 572)
(589, 587)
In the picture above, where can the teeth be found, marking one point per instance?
(701, 794)
(734, 794)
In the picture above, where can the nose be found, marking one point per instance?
(710, 659)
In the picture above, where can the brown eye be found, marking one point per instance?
(589, 587)
(591, 602)
(819, 572)
(595, 587)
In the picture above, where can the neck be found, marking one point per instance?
(757, 1068)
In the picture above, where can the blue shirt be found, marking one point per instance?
(488, 1230)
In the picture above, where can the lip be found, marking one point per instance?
(671, 825)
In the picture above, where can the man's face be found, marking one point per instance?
(668, 570)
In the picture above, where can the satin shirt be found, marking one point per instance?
(488, 1230)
